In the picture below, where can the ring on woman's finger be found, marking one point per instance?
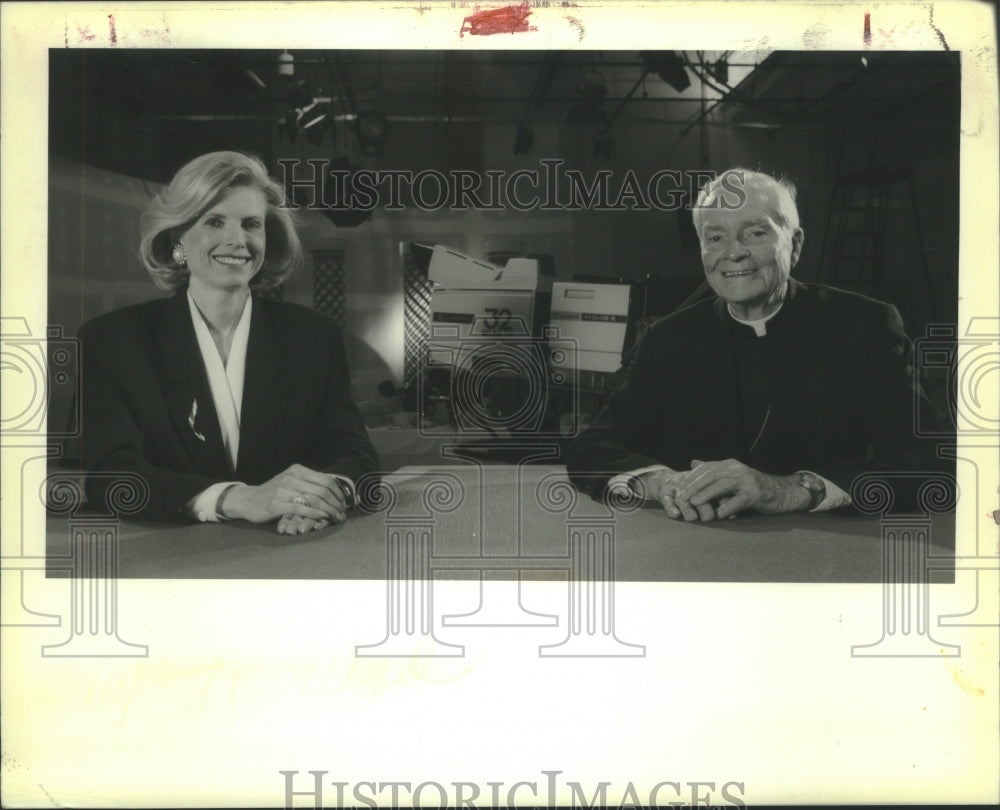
(301, 499)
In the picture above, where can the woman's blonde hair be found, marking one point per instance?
(197, 186)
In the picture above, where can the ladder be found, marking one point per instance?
(853, 252)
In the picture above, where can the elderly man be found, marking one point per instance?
(771, 398)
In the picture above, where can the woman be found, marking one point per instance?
(230, 405)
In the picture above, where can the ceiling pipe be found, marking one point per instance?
(448, 119)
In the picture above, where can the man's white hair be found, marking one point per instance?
(722, 187)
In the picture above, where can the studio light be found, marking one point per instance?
(669, 66)
(309, 114)
(719, 70)
(313, 121)
(300, 93)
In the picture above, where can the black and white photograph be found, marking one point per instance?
(490, 236)
(601, 372)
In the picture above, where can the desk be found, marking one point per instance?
(467, 518)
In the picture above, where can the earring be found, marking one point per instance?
(178, 255)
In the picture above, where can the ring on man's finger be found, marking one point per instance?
(301, 499)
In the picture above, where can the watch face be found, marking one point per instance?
(815, 486)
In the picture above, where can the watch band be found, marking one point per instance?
(346, 487)
(815, 486)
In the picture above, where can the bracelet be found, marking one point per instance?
(346, 489)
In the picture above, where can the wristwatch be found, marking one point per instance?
(815, 486)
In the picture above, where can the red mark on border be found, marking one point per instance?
(84, 32)
(111, 22)
(507, 20)
(868, 28)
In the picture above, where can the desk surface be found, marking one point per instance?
(496, 520)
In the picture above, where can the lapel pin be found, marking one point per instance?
(191, 418)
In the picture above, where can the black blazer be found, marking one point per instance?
(142, 371)
(842, 395)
